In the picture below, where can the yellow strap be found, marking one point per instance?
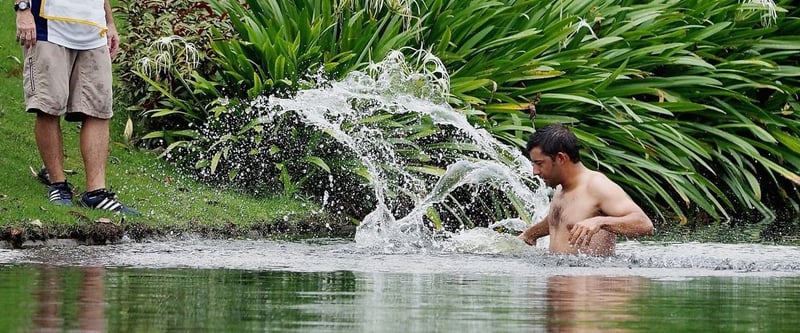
(102, 28)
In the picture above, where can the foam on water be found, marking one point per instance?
(478, 251)
(7, 255)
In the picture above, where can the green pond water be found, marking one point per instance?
(324, 286)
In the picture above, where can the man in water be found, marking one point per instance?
(588, 210)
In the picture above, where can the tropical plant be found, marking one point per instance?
(691, 105)
(262, 147)
(281, 43)
(163, 65)
(688, 103)
(282, 46)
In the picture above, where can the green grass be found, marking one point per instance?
(167, 199)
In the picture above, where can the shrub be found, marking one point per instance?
(691, 105)
(165, 71)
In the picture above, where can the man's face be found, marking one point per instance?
(545, 167)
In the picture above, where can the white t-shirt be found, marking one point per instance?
(75, 24)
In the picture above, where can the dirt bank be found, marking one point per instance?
(105, 231)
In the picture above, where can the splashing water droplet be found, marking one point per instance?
(398, 86)
(406, 191)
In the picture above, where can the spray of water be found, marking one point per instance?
(416, 86)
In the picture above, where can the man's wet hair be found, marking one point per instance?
(553, 139)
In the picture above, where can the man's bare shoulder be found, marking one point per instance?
(599, 185)
(598, 180)
(611, 197)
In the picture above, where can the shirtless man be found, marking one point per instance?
(588, 210)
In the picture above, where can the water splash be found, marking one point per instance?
(488, 241)
(417, 86)
(382, 228)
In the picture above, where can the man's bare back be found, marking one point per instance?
(588, 210)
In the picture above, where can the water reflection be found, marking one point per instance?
(48, 309)
(91, 300)
(592, 303)
(53, 307)
(37, 298)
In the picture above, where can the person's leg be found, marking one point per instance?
(45, 82)
(90, 103)
(47, 130)
(46, 87)
(94, 150)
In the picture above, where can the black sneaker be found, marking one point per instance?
(60, 194)
(43, 176)
(102, 199)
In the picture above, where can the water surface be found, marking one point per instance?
(335, 286)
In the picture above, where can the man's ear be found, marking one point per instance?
(561, 157)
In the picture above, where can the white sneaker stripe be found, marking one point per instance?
(56, 195)
(103, 203)
(108, 204)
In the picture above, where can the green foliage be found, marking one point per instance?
(253, 148)
(259, 147)
(280, 42)
(164, 67)
(691, 105)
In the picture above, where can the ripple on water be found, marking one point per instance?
(9, 256)
(717, 256)
(466, 255)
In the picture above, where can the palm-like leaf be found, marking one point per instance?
(650, 88)
(687, 103)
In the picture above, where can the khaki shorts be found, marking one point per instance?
(62, 81)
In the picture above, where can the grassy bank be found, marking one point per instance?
(169, 201)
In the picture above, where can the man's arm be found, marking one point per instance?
(620, 215)
(535, 232)
(111, 35)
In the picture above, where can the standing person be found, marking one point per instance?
(68, 46)
(588, 210)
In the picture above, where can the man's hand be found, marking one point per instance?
(26, 28)
(534, 232)
(581, 233)
(113, 40)
(527, 238)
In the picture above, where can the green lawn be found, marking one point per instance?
(168, 200)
